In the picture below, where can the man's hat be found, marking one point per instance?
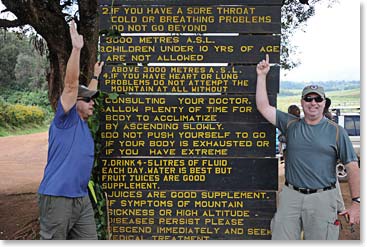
(83, 91)
(313, 89)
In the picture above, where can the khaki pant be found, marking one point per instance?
(315, 214)
(66, 218)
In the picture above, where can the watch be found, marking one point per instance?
(95, 77)
(356, 199)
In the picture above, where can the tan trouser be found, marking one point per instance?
(315, 214)
(64, 218)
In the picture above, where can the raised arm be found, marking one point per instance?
(71, 80)
(93, 84)
(262, 100)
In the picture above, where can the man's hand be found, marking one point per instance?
(76, 38)
(263, 67)
(98, 68)
(93, 84)
(353, 212)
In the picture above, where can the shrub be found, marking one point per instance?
(20, 115)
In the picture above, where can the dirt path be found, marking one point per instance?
(22, 161)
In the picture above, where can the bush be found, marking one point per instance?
(20, 115)
(38, 98)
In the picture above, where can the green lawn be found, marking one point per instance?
(13, 131)
(338, 98)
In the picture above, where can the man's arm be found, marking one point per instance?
(71, 80)
(93, 84)
(262, 100)
(354, 186)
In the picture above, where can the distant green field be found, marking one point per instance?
(338, 98)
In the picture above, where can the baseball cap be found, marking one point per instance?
(83, 91)
(313, 89)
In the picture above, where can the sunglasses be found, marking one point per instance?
(85, 99)
(318, 99)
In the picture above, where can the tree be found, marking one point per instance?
(8, 60)
(49, 20)
(30, 71)
(22, 66)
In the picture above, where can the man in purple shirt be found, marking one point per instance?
(65, 208)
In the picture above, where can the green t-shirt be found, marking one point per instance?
(312, 151)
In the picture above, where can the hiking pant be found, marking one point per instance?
(66, 218)
(315, 214)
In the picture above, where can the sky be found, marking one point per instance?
(330, 45)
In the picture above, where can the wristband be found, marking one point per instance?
(356, 199)
(95, 77)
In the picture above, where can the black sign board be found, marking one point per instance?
(210, 19)
(186, 49)
(189, 2)
(185, 154)
(184, 79)
(191, 215)
(189, 174)
(188, 139)
(184, 108)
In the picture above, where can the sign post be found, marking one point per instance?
(185, 153)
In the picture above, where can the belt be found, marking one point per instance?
(308, 191)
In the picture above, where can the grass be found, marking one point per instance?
(338, 98)
(14, 131)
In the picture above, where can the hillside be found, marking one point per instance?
(341, 93)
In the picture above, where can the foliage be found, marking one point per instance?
(101, 214)
(20, 115)
(49, 19)
(38, 98)
(8, 57)
(30, 71)
(14, 124)
(22, 67)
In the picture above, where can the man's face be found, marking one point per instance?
(85, 107)
(313, 106)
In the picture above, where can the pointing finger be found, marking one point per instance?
(267, 58)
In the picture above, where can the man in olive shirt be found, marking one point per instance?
(308, 201)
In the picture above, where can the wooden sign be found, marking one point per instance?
(189, 174)
(184, 108)
(187, 49)
(193, 19)
(188, 139)
(189, 2)
(191, 215)
(185, 154)
(184, 79)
